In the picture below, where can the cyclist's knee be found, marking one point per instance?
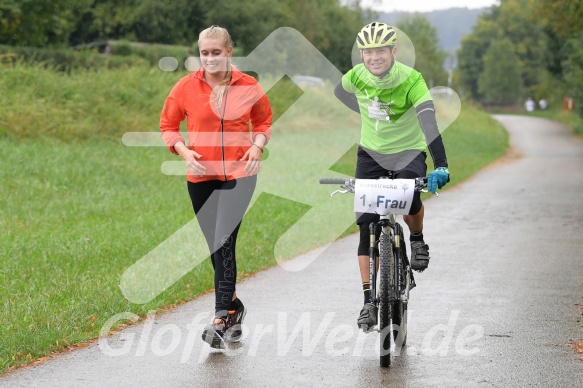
(363, 243)
(416, 205)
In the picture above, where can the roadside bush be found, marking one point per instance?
(67, 60)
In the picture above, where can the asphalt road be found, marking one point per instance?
(497, 307)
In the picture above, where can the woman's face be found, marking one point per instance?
(378, 60)
(214, 55)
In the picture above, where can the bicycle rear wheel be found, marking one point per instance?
(386, 276)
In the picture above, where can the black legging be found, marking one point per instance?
(219, 207)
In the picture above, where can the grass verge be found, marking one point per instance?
(567, 117)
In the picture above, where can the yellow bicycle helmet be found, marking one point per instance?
(376, 34)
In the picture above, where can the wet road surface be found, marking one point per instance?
(496, 308)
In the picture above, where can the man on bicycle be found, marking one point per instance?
(398, 125)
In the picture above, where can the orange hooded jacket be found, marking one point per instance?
(221, 134)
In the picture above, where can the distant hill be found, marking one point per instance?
(451, 24)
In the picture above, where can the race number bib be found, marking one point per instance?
(383, 196)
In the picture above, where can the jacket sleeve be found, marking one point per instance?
(428, 122)
(172, 115)
(348, 99)
(261, 116)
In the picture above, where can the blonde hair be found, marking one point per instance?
(220, 33)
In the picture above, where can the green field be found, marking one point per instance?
(78, 207)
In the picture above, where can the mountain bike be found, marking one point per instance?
(387, 251)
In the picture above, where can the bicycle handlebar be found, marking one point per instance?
(335, 181)
(348, 183)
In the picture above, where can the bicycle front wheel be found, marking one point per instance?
(399, 323)
(399, 312)
(386, 276)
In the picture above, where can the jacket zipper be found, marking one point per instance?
(222, 115)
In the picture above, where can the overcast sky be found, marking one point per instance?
(424, 5)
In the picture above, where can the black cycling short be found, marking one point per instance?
(405, 165)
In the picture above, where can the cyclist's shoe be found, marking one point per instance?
(234, 320)
(367, 319)
(419, 255)
(214, 333)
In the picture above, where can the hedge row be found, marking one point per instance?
(151, 52)
(121, 54)
(66, 59)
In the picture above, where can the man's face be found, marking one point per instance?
(378, 60)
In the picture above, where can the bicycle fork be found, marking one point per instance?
(373, 257)
(397, 284)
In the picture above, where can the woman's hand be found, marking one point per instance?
(190, 156)
(253, 157)
(195, 168)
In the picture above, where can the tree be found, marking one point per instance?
(470, 55)
(501, 82)
(153, 21)
(563, 51)
(429, 58)
(10, 15)
(330, 27)
(341, 26)
(243, 24)
(573, 70)
(510, 21)
(527, 38)
(39, 23)
(563, 17)
(327, 24)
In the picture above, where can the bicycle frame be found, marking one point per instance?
(396, 277)
(389, 226)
